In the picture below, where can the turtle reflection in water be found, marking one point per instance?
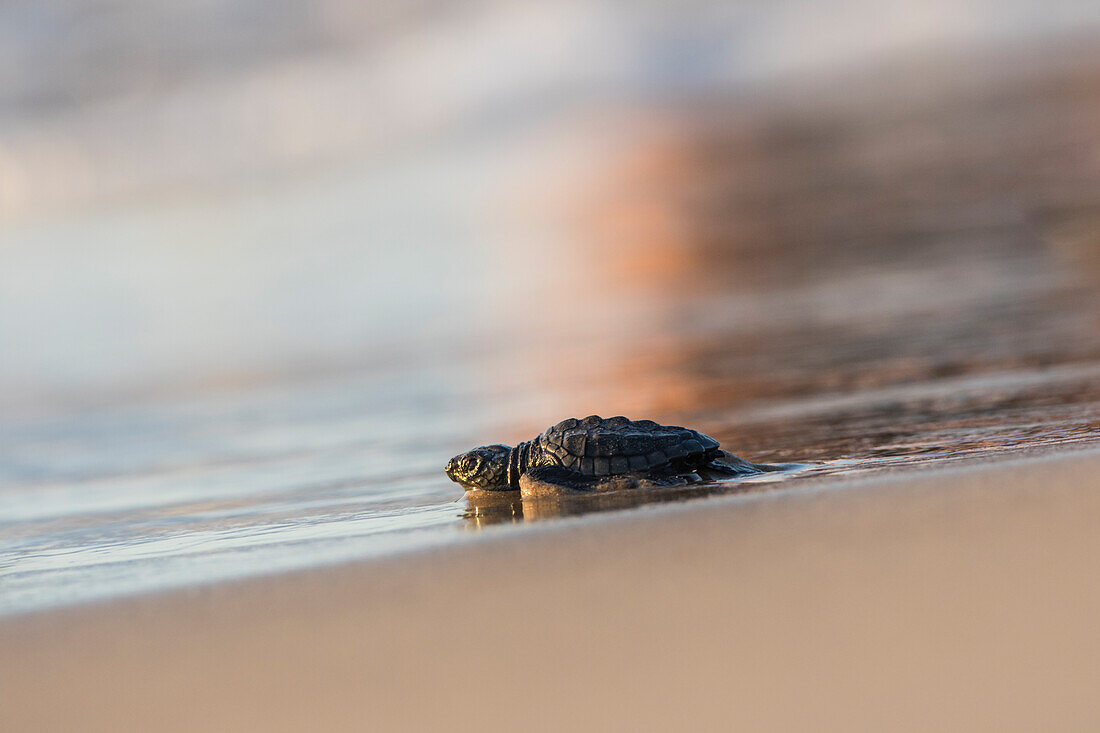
(597, 454)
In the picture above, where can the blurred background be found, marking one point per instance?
(264, 266)
(230, 190)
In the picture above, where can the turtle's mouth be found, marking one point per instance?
(452, 471)
(460, 475)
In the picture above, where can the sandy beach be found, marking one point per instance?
(960, 598)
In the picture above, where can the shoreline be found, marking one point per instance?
(959, 597)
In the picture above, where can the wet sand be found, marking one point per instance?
(959, 597)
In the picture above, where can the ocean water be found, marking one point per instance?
(220, 362)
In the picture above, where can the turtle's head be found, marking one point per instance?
(481, 468)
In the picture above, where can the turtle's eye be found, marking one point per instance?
(469, 464)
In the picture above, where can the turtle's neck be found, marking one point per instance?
(518, 461)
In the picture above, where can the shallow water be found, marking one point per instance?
(316, 470)
(885, 284)
(325, 472)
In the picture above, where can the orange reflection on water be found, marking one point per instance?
(895, 280)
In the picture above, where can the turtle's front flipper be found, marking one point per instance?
(727, 465)
(555, 481)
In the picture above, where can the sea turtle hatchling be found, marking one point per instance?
(597, 453)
